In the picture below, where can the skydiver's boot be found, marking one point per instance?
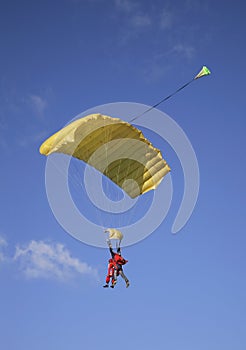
(105, 286)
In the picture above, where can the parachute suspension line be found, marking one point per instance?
(203, 72)
(103, 152)
(107, 138)
(75, 180)
(119, 221)
(133, 209)
(82, 185)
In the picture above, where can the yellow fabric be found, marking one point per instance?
(115, 148)
(203, 71)
(114, 233)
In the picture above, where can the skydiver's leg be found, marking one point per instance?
(124, 278)
(114, 279)
(113, 282)
(107, 281)
(115, 276)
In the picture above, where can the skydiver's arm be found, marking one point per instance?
(109, 243)
(110, 248)
(112, 252)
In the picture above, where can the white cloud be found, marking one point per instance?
(161, 63)
(2, 241)
(32, 139)
(50, 260)
(186, 50)
(125, 5)
(155, 71)
(3, 244)
(135, 18)
(196, 5)
(38, 103)
(166, 19)
(141, 20)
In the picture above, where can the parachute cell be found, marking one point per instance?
(114, 147)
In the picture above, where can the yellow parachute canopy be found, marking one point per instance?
(114, 233)
(114, 147)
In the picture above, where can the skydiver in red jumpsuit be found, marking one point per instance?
(110, 274)
(118, 262)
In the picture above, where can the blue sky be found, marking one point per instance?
(61, 58)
